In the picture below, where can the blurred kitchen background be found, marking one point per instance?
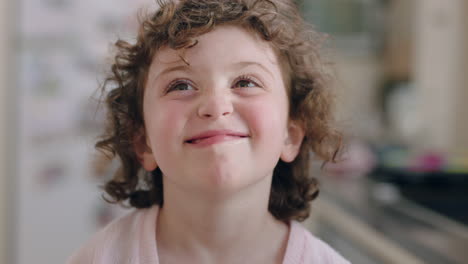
(399, 193)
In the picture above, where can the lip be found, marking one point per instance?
(215, 136)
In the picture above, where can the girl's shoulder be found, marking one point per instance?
(127, 239)
(304, 248)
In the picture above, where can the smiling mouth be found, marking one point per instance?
(214, 139)
(215, 136)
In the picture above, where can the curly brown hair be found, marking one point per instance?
(176, 24)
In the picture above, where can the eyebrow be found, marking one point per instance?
(183, 67)
(237, 65)
(175, 68)
(244, 64)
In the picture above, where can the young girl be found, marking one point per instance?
(213, 113)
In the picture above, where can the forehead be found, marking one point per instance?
(223, 45)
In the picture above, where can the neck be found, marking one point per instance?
(217, 228)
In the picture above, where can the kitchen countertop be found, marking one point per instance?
(375, 217)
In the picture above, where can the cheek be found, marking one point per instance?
(162, 121)
(268, 119)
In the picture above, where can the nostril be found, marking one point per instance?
(214, 106)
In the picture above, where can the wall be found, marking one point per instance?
(357, 79)
(462, 106)
(3, 85)
(438, 71)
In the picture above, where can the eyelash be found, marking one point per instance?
(247, 78)
(176, 82)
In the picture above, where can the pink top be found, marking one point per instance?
(131, 240)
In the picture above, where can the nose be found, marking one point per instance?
(215, 104)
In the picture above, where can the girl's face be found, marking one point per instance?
(217, 122)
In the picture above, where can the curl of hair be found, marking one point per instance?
(176, 25)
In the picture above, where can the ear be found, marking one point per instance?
(143, 151)
(293, 141)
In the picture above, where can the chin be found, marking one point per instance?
(226, 183)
